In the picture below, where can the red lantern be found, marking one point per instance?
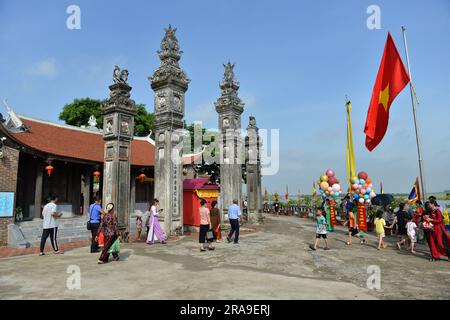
(142, 177)
(49, 169)
(96, 175)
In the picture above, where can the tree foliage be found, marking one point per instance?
(78, 112)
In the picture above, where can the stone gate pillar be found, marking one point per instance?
(169, 82)
(253, 163)
(118, 130)
(230, 107)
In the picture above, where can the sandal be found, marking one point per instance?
(348, 243)
(59, 252)
(363, 241)
(211, 248)
(41, 254)
(101, 262)
(201, 250)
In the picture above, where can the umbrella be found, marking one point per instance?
(383, 199)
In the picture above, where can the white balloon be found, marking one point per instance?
(361, 200)
(372, 195)
(368, 201)
(336, 187)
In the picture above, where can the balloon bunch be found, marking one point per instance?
(329, 186)
(362, 188)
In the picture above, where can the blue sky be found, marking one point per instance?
(295, 60)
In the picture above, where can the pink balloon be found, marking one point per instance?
(330, 173)
(355, 186)
(363, 191)
(364, 186)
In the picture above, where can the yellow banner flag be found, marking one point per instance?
(350, 154)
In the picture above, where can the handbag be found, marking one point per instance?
(210, 235)
(88, 223)
(428, 226)
(115, 247)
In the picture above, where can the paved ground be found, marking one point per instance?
(274, 263)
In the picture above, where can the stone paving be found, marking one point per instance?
(273, 263)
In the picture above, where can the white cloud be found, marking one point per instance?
(45, 68)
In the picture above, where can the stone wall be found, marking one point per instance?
(8, 183)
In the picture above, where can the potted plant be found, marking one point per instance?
(18, 214)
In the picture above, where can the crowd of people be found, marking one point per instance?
(411, 222)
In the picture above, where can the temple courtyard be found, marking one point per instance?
(274, 262)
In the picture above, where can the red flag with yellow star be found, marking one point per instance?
(391, 79)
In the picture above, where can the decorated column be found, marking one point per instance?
(230, 107)
(118, 130)
(253, 164)
(169, 82)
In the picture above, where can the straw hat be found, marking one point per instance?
(109, 207)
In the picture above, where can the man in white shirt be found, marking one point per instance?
(50, 225)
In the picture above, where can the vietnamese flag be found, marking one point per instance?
(391, 79)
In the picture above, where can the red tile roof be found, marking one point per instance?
(198, 183)
(72, 142)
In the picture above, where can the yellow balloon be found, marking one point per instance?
(324, 185)
(353, 179)
(324, 178)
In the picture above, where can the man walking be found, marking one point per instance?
(234, 213)
(50, 225)
(95, 217)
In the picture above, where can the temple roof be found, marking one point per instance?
(66, 141)
(70, 142)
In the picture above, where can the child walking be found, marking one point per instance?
(411, 229)
(139, 226)
(380, 225)
(321, 231)
(353, 227)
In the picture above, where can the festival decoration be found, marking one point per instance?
(96, 175)
(329, 187)
(362, 188)
(362, 192)
(142, 177)
(49, 168)
(329, 190)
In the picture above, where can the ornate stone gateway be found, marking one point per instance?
(253, 162)
(169, 83)
(118, 126)
(230, 107)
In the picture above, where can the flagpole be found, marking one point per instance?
(413, 101)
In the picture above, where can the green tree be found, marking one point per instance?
(78, 112)
(143, 122)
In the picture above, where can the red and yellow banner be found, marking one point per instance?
(333, 213)
(362, 217)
